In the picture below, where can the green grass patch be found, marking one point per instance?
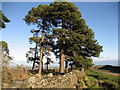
(109, 80)
(102, 76)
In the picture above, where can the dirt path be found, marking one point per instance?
(96, 70)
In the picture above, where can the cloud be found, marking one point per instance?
(104, 59)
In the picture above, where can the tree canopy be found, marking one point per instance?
(5, 52)
(3, 20)
(62, 25)
(74, 36)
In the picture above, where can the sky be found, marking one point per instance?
(101, 17)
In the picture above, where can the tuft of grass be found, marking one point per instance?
(92, 82)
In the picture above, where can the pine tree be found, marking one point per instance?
(82, 44)
(36, 40)
(62, 25)
(3, 20)
(5, 52)
(38, 16)
(74, 38)
(32, 55)
(62, 15)
(4, 47)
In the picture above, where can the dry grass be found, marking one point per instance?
(10, 74)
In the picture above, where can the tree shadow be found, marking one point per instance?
(45, 71)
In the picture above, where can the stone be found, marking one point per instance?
(67, 80)
(84, 86)
(5, 85)
(86, 79)
(74, 87)
(50, 75)
(32, 80)
(64, 75)
(70, 72)
(38, 76)
(66, 70)
(82, 70)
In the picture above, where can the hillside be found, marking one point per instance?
(108, 68)
(20, 77)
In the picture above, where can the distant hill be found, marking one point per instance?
(110, 68)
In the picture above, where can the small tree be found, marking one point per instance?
(35, 57)
(81, 62)
(4, 47)
(33, 54)
(5, 52)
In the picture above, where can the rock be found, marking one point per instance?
(5, 85)
(74, 87)
(64, 75)
(50, 75)
(66, 70)
(32, 80)
(41, 83)
(38, 76)
(84, 86)
(27, 86)
(67, 80)
(82, 70)
(58, 77)
(70, 72)
(86, 79)
(96, 81)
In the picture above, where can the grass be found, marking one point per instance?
(109, 80)
(108, 68)
(92, 82)
(10, 74)
(102, 76)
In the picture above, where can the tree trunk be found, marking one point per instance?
(66, 66)
(33, 65)
(34, 58)
(41, 53)
(71, 66)
(62, 57)
(47, 67)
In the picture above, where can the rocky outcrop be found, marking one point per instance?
(60, 81)
(68, 80)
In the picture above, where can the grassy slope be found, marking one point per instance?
(108, 80)
(108, 68)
